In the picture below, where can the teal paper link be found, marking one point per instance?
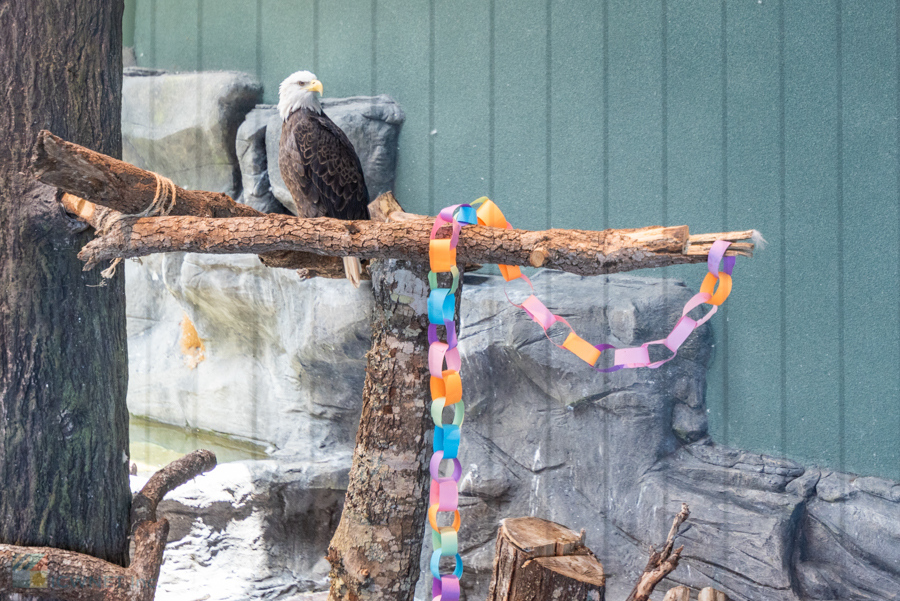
(436, 564)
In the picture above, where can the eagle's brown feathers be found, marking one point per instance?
(321, 169)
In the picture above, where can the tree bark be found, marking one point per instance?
(63, 361)
(374, 553)
(538, 560)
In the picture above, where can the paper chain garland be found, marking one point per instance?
(446, 385)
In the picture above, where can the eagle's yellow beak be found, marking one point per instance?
(315, 86)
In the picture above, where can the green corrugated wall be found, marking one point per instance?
(775, 115)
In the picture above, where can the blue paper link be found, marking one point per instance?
(435, 564)
(437, 303)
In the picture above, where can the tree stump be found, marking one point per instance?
(537, 560)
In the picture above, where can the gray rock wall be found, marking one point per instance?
(183, 125)
(544, 435)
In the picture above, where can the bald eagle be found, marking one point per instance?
(317, 160)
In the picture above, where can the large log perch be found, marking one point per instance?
(575, 251)
(48, 573)
(219, 225)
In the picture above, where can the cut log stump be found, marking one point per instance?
(537, 560)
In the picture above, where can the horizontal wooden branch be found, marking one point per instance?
(48, 573)
(575, 251)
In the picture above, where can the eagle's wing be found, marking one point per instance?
(322, 170)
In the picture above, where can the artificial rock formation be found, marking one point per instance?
(615, 454)
(183, 125)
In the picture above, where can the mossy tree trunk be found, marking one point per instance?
(63, 362)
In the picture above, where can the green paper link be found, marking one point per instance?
(433, 283)
(437, 412)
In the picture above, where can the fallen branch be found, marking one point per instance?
(48, 573)
(90, 178)
(661, 563)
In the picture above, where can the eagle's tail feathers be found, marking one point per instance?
(353, 269)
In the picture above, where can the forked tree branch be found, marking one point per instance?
(48, 573)
(661, 563)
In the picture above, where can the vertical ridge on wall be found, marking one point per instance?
(782, 245)
(868, 179)
(811, 225)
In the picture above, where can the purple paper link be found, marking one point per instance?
(447, 213)
(454, 238)
(729, 264)
(435, 587)
(434, 467)
(451, 334)
(601, 348)
(715, 256)
(435, 464)
(432, 334)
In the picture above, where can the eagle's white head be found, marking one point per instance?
(297, 92)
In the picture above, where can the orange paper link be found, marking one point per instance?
(583, 349)
(510, 272)
(432, 518)
(442, 257)
(709, 287)
(449, 386)
(489, 214)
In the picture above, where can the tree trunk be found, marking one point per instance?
(538, 560)
(63, 361)
(375, 551)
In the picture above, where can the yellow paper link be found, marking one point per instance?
(583, 349)
(709, 285)
(442, 257)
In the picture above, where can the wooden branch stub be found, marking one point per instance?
(537, 257)
(537, 559)
(48, 573)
